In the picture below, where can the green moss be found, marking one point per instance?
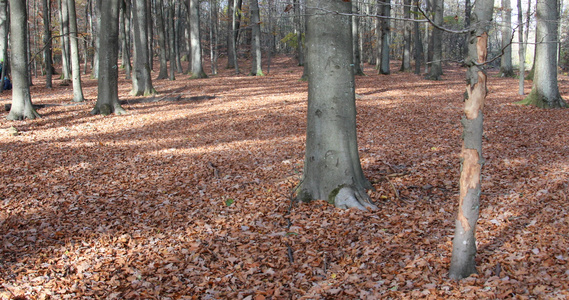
(334, 193)
(304, 196)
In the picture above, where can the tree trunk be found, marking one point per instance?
(125, 40)
(406, 63)
(171, 39)
(358, 70)
(332, 169)
(108, 96)
(64, 25)
(231, 34)
(385, 38)
(418, 43)
(521, 50)
(22, 107)
(545, 91)
(234, 35)
(141, 80)
(436, 67)
(74, 47)
(464, 244)
(95, 34)
(47, 42)
(213, 32)
(195, 41)
(163, 74)
(506, 69)
(298, 30)
(256, 68)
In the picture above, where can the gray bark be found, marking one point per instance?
(385, 38)
(332, 169)
(298, 28)
(521, 50)
(256, 68)
(108, 97)
(64, 25)
(406, 63)
(436, 67)
(358, 70)
(196, 70)
(141, 80)
(464, 243)
(74, 48)
(160, 29)
(46, 40)
(95, 32)
(171, 39)
(545, 90)
(213, 32)
(506, 68)
(418, 43)
(125, 37)
(22, 107)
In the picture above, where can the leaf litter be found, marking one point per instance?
(188, 195)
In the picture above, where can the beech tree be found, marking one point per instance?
(141, 80)
(435, 65)
(161, 32)
(64, 26)
(22, 107)
(464, 242)
(108, 93)
(384, 39)
(256, 68)
(506, 69)
(47, 42)
(74, 49)
(332, 169)
(196, 68)
(545, 91)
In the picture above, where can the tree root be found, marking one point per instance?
(347, 197)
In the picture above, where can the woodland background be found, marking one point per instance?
(189, 194)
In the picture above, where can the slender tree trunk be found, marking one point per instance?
(298, 32)
(213, 32)
(64, 25)
(234, 31)
(171, 39)
(358, 70)
(464, 244)
(256, 68)
(271, 40)
(521, 50)
(230, 34)
(406, 63)
(4, 30)
(107, 96)
(150, 35)
(47, 42)
(22, 107)
(163, 74)
(418, 43)
(74, 47)
(385, 38)
(332, 169)
(467, 11)
(95, 34)
(545, 90)
(506, 68)
(195, 41)
(141, 80)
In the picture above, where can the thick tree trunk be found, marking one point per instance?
(545, 91)
(464, 243)
(47, 42)
(506, 68)
(256, 68)
(22, 107)
(332, 169)
(196, 70)
(141, 80)
(74, 48)
(108, 96)
(436, 66)
(385, 38)
(160, 29)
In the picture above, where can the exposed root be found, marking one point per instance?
(348, 198)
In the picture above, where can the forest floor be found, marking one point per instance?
(188, 196)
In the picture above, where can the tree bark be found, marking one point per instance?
(108, 96)
(195, 41)
(521, 50)
(506, 68)
(171, 39)
(464, 243)
(406, 63)
(95, 34)
(125, 40)
(213, 32)
(358, 70)
(436, 67)
(141, 80)
(47, 43)
(74, 47)
(160, 30)
(545, 90)
(256, 66)
(64, 25)
(298, 30)
(385, 38)
(332, 169)
(22, 107)
(419, 52)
